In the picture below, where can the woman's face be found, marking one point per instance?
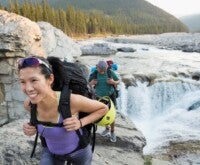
(34, 84)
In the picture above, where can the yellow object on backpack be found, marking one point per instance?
(109, 117)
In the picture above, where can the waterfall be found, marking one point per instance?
(161, 113)
(122, 100)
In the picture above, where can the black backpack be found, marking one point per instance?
(74, 81)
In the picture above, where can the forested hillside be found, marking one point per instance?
(192, 22)
(98, 16)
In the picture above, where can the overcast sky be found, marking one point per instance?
(178, 8)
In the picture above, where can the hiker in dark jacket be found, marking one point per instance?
(36, 79)
(105, 86)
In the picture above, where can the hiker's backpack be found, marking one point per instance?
(74, 81)
(112, 65)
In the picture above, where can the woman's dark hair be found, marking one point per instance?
(58, 72)
(44, 70)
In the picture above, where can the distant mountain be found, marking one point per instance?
(192, 22)
(137, 12)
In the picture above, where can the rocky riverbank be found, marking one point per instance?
(187, 42)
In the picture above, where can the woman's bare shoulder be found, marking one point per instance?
(77, 98)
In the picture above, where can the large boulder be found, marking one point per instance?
(98, 49)
(21, 37)
(18, 36)
(58, 44)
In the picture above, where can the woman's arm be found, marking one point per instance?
(79, 103)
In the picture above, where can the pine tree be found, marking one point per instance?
(80, 23)
(71, 16)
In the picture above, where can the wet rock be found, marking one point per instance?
(175, 152)
(97, 49)
(126, 49)
(194, 106)
(196, 76)
(129, 80)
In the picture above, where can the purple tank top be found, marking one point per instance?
(58, 139)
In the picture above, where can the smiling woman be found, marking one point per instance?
(62, 143)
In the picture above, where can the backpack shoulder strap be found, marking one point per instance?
(109, 73)
(94, 128)
(64, 102)
(94, 74)
(33, 119)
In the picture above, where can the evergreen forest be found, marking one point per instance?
(86, 18)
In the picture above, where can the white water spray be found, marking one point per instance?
(161, 112)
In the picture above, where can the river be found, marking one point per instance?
(160, 109)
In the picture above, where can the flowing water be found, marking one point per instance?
(160, 110)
